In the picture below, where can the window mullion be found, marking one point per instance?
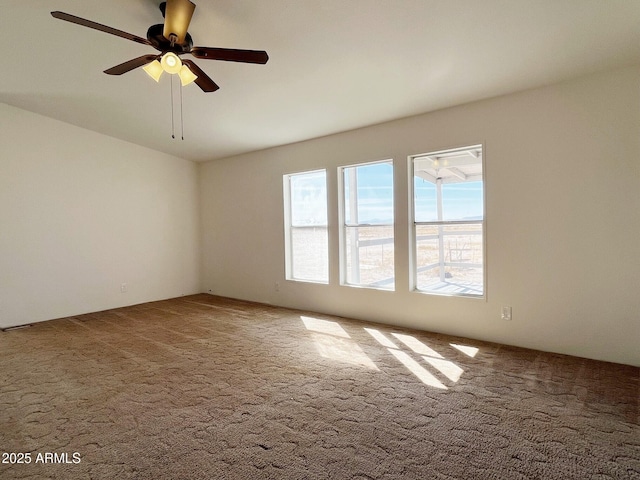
(354, 232)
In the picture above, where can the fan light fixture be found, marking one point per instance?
(186, 75)
(154, 70)
(172, 64)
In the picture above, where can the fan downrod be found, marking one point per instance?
(155, 36)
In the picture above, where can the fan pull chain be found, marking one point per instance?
(181, 116)
(173, 123)
(173, 129)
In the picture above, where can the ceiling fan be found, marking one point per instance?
(172, 40)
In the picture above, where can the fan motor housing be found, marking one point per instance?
(159, 42)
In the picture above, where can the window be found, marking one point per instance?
(448, 222)
(306, 240)
(367, 250)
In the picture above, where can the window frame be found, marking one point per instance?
(343, 226)
(413, 224)
(288, 226)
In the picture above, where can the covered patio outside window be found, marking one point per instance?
(449, 222)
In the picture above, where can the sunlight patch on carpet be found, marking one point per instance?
(380, 337)
(342, 350)
(467, 350)
(333, 342)
(446, 367)
(418, 370)
(416, 345)
(324, 326)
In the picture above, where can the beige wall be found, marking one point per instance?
(562, 179)
(82, 213)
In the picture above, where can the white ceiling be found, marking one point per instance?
(334, 65)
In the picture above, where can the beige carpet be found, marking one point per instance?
(204, 387)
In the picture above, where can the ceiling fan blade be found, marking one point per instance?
(230, 55)
(177, 17)
(130, 65)
(98, 26)
(203, 80)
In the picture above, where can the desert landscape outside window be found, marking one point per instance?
(367, 241)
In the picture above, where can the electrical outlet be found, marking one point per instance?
(123, 287)
(277, 286)
(506, 313)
